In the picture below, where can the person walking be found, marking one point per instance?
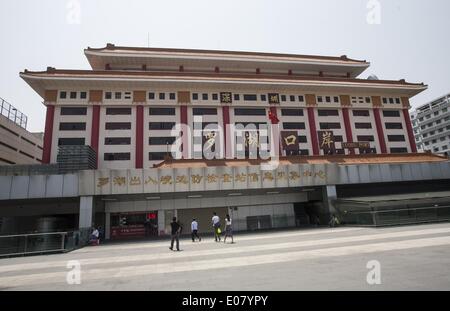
(216, 225)
(194, 230)
(228, 229)
(176, 231)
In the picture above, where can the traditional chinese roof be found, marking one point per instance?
(42, 80)
(329, 159)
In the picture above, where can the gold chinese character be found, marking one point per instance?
(135, 181)
(320, 174)
(196, 179)
(150, 180)
(103, 181)
(253, 177)
(226, 97)
(240, 177)
(326, 139)
(210, 140)
(166, 180)
(290, 140)
(226, 178)
(182, 179)
(307, 173)
(281, 175)
(268, 176)
(212, 178)
(119, 181)
(252, 140)
(294, 176)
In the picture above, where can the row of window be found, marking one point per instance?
(81, 126)
(237, 111)
(72, 95)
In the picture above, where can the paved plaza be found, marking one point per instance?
(410, 258)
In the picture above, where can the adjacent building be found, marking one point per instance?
(17, 145)
(431, 124)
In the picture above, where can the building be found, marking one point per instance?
(17, 145)
(340, 139)
(431, 124)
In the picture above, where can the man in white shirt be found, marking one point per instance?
(194, 229)
(216, 224)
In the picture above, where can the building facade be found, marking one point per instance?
(17, 145)
(126, 106)
(335, 133)
(431, 124)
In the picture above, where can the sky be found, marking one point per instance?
(402, 39)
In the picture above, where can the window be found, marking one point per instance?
(394, 126)
(118, 126)
(324, 113)
(72, 126)
(399, 150)
(117, 141)
(250, 97)
(194, 96)
(236, 97)
(365, 138)
(117, 95)
(394, 138)
(292, 98)
(162, 96)
(436, 113)
(384, 100)
(204, 96)
(397, 100)
(292, 112)
(283, 98)
(215, 96)
(71, 142)
(63, 95)
(330, 126)
(302, 139)
(263, 98)
(212, 125)
(204, 111)
(108, 95)
(249, 112)
(172, 96)
(162, 111)
(127, 95)
(73, 95)
(156, 156)
(118, 111)
(391, 113)
(73, 111)
(122, 156)
(161, 125)
(368, 100)
(151, 96)
(294, 125)
(161, 140)
(361, 113)
(83, 95)
(360, 125)
(338, 138)
(336, 99)
(320, 99)
(301, 98)
(328, 99)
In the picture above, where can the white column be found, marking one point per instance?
(107, 226)
(86, 212)
(329, 198)
(161, 222)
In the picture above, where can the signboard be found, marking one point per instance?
(274, 98)
(326, 141)
(355, 145)
(289, 140)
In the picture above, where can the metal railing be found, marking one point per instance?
(42, 243)
(14, 115)
(397, 216)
